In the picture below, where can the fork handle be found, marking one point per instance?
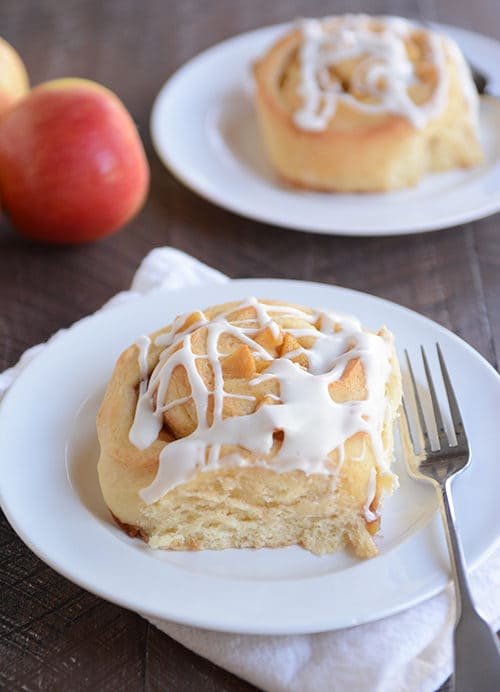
(476, 647)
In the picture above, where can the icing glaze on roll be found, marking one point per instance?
(312, 424)
(384, 72)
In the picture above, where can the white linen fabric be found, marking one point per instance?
(408, 652)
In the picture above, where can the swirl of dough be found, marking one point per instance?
(273, 409)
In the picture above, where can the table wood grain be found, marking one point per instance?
(54, 635)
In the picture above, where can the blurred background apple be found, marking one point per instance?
(72, 165)
(13, 76)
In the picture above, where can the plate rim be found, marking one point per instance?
(225, 202)
(191, 619)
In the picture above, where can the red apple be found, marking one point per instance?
(72, 166)
(13, 77)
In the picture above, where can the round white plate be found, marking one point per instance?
(204, 129)
(50, 492)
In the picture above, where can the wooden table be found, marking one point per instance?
(55, 636)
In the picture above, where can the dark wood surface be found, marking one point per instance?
(54, 635)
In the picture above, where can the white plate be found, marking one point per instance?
(50, 493)
(204, 129)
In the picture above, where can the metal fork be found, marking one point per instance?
(476, 647)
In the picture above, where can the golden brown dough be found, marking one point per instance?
(387, 127)
(250, 496)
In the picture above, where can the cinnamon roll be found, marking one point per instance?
(252, 424)
(363, 104)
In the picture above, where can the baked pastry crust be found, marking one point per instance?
(238, 492)
(365, 145)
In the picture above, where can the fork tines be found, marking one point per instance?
(435, 410)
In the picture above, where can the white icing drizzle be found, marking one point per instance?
(313, 424)
(150, 422)
(385, 70)
(370, 496)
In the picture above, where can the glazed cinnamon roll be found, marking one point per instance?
(250, 424)
(360, 104)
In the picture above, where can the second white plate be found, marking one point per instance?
(204, 129)
(51, 496)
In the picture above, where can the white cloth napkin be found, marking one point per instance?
(408, 652)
